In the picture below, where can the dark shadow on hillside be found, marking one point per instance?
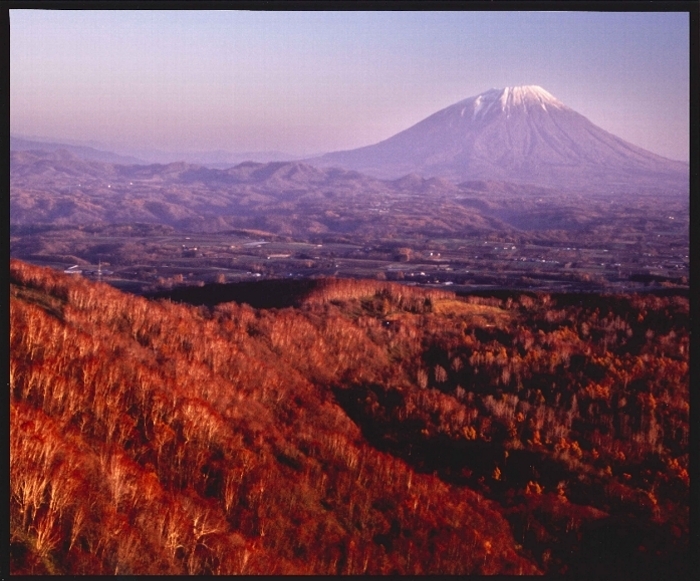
(458, 461)
(264, 294)
(618, 545)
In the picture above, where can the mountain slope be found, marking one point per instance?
(370, 428)
(518, 134)
(213, 451)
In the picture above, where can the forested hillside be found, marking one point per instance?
(369, 428)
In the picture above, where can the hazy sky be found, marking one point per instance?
(308, 82)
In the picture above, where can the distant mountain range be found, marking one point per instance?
(218, 159)
(522, 135)
(81, 151)
(515, 134)
(286, 198)
(215, 158)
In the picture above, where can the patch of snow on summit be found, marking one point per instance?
(478, 105)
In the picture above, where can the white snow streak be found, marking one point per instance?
(509, 99)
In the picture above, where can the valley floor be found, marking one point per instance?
(148, 260)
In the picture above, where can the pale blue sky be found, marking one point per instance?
(308, 82)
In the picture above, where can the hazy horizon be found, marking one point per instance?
(304, 83)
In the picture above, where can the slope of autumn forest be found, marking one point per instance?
(368, 428)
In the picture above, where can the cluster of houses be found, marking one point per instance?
(75, 269)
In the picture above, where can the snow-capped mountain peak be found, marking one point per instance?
(520, 134)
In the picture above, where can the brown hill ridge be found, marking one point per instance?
(207, 453)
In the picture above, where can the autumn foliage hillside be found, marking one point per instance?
(371, 428)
